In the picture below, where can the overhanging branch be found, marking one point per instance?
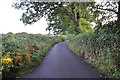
(109, 10)
(72, 16)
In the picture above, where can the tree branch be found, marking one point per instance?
(72, 16)
(108, 10)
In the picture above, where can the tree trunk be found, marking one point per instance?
(118, 20)
(77, 28)
(78, 19)
(118, 13)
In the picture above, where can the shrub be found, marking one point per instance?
(99, 49)
(22, 52)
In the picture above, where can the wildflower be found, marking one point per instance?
(7, 60)
(28, 57)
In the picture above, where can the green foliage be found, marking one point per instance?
(99, 49)
(109, 11)
(62, 17)
(22, 52)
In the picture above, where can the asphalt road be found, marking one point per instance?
(60, 62)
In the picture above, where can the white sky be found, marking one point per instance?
(9, 20)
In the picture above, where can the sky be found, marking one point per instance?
(10, 20)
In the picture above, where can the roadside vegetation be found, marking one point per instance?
(98, 44)
(23, 52)
(100, 49)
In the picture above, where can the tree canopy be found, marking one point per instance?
(69, 17)
(110, 16)
(63, 17)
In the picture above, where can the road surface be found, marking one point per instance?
(60, 62)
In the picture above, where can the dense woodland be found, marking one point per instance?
(98, 44)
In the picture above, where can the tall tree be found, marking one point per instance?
(110, 14)
(118, 13)
(57, 13)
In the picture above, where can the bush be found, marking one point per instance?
(22, 52)
(99, 49)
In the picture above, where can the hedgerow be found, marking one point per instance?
(100, 49)
(22, 52)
